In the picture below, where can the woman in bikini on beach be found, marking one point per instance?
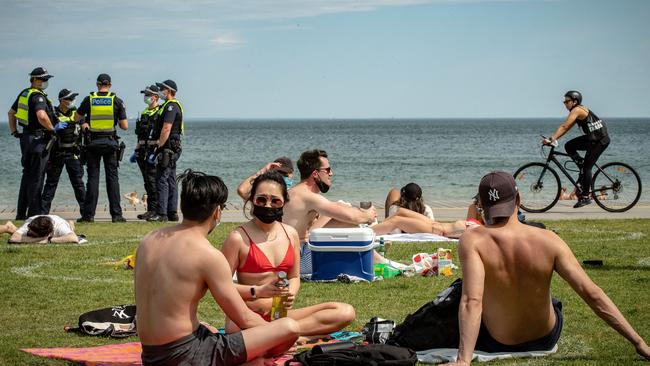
(262, 247)
(412, 222)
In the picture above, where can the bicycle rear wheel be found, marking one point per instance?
(539, 187)
(616, 187)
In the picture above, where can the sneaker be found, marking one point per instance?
(85, 219)
(583, 201)
(172, 216)
(146, 215)
(118, 219)
(157, 218)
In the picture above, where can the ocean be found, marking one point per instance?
(446, 157)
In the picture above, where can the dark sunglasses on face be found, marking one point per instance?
(263, 200)
(326, 170)
(567, 101)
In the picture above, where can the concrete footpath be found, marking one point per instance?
(443, 211)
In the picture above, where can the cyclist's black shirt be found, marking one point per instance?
(594, 128)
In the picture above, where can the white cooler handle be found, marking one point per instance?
(317, 248)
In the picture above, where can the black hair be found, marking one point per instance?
(416, 205)
(40, 226)
(310, 161)
(201, 194)
(271, 175)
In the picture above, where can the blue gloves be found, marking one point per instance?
(60, 126)
(152, 159)
(133, 158)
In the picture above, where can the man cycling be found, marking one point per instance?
(594, 141)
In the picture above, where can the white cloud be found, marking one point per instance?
(227, 39)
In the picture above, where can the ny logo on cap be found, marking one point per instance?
(494, 194)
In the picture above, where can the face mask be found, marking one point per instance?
(71, 104)
(267, 214)
(147, 100)
(44, 85)
(322, 186)
(288, 181)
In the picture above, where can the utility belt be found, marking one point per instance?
(39, 134)
(103, 135)
(67, 145)
(174, 143)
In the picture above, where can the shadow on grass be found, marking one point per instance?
(614, 267)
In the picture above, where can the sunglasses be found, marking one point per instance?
(263, 200)
(327, 170)
(567, 101)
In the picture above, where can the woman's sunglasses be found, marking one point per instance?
(263, 200)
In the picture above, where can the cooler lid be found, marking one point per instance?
(342, 235)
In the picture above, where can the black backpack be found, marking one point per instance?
(434, 325)
(349, 354)
(117, 322)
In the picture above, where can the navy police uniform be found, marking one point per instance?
(144, 129)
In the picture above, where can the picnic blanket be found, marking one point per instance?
(128, 354)
(416, 237)
(440, 355)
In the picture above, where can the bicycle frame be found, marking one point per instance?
(551, 158)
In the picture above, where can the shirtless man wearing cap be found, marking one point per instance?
(506, 303)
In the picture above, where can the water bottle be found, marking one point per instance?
(277, 308)
(382, 247)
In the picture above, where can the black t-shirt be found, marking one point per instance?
(172, 114)
(119, 111)
(36, 102)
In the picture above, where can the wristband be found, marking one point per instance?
(253, 295)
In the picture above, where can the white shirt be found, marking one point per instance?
(61, 226)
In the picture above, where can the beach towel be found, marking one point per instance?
(128, 354)
(416, 237)
(440, 355)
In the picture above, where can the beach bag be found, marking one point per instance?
(434, 325)
(116, 322)
(349, 354)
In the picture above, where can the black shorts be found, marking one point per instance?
(199, 348)
(486, 343)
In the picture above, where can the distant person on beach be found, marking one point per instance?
(307, 209)
(144, 130)
(44, 229)
(506, 303)
(410, 197)
(264, 246)
(282, 165)
(65, 153)
(176, 266)
(412, 222)
(33, 111)
(594, 141)
(169, 128)
(100, 112)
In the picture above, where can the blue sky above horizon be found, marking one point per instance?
(340, 58)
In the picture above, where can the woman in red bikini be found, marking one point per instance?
(261, 248)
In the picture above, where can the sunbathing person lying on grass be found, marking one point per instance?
(44, 229)
(264, 246)
(412, 222)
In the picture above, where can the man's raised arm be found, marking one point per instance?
(343, 212)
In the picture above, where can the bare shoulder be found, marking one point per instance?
(290, 230)
(235, 238)
(472, 237)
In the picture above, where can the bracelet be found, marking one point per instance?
(253, 294)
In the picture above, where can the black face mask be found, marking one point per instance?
(267, 214)
(322, 187)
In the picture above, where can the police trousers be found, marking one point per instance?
(149, 172)
(166, 179)
(102, 149)
(58, 159)
(34, 162)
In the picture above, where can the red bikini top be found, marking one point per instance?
(257, 262)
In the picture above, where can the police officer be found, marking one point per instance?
(65, 153)
(168, 131)
(33, 111)
(102, 111)
(144, 130)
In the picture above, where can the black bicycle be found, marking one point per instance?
(615, 187)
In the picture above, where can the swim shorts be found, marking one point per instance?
(486, 343)
(305, 259)
(199, 348)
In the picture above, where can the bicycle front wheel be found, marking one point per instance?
(616, 187)
(539, 187)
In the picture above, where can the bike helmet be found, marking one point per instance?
(574, 95)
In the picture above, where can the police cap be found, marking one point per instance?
(104, 79)
(168, 84)
(40, 73)
(67, 94)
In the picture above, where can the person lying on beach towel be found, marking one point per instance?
(506, 303)
(45, 229)
(264, 246)
(177, 265)
(410, 197)
(412, 222)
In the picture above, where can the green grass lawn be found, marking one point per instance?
(44, 287)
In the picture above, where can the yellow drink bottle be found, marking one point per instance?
(277, 307)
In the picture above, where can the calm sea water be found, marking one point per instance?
(446, 157)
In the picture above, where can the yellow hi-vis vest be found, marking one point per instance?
(22, 114)
(162, 110)
(102, 112)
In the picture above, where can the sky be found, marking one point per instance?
(339, 58)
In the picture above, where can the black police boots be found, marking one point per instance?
(157, 218)
(146, 215)
(172, 216)
(118, 219)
